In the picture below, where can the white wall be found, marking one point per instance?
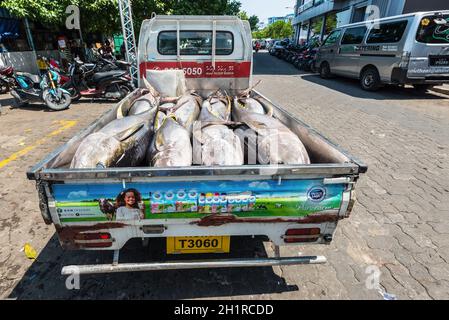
(25, 61)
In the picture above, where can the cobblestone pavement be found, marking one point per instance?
(400, 224)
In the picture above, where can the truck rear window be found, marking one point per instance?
(432, 29)
(195, 43)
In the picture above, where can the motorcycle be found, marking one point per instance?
(29, 88)
(6, 80)
(87, 81)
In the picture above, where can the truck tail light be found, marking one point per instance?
(302, 235)
(92, 236)
(405, 60)
(93, 240)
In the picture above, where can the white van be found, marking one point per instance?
(406, 49)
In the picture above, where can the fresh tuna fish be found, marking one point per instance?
(121, 143)
(253, 105)
(219, 146)
(171, 146)
(187, 110)
(275, 142)
(248, 138)
(143, 104)
(142, 100)
(167, 107)
(216, 108)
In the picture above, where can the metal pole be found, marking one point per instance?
(128, 37)
(181, 265)
(29, 35)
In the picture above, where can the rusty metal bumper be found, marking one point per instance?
(201, 264)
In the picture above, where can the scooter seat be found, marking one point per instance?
(108, 74)
(33, 77)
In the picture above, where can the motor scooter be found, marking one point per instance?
(86, 81)
(29, 88)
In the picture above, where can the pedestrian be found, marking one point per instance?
(123, 50)
(106, 50)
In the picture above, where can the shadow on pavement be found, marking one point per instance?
(351, 87)
(43, 279)
(266, 64)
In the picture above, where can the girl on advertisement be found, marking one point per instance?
(130, 205)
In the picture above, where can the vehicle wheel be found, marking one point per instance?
(370, 79)
(4, 88)
(313, 67)
(124, 91)
(74, 93)
(56, 105)
(423, 88)
(325, 71)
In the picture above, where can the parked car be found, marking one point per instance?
(277, 48)
(407, 49)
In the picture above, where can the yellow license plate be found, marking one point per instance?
(215, 244)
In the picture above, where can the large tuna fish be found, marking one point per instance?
(253, 105)
(148, 99)
(216, 108)
(121, 143)
(276, 144)
(219, 145)
(170, 146)
(187, 110)
(245, 101)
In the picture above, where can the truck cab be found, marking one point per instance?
(214, 51)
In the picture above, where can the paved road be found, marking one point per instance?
(400, 224)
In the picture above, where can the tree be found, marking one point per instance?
(279, 30)
(253, 21)
(103, 15)
(243, 15)
(204, 7)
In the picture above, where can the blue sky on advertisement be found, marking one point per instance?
(268, 8)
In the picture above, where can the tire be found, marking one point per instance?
(74, 93)
(423, 88)
(313, 67)
(64, 103)
(125, 89)
(4, 88)
(370, 79)
(325, 71)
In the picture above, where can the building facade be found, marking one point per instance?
(286, 18)
(317, 18)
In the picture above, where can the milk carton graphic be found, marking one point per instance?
(215, 206)
(238, 204)
(170, 202)
(192, 198)
(181, 201)
(245, 202)
(202, 203)
(231, 204)
(208, 205)
(251, 203)
(223, 204)
(157, 202)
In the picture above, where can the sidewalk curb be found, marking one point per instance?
(441, 90)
